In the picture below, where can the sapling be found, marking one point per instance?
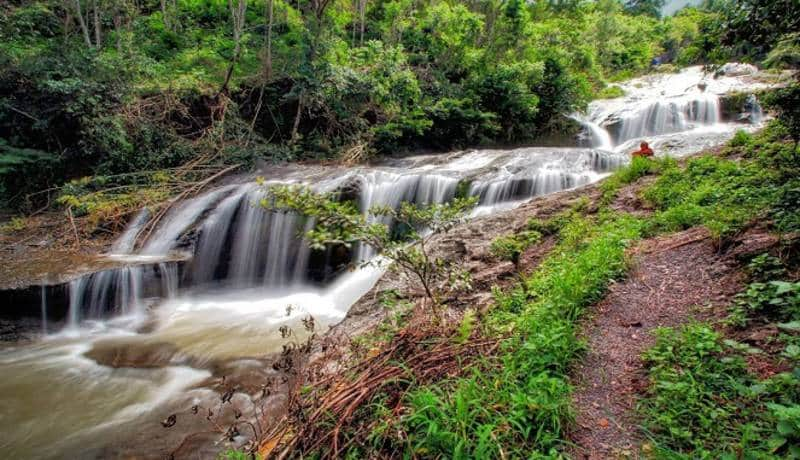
(341, 222)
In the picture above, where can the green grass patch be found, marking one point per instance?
(510, 247)
(724, 195)
(610, 92)
(638, 168)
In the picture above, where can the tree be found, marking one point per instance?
(753, 27)
(82, 23)
(648, 7)
(238, 15)
(342, 223)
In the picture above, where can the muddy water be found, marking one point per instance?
(57, 403)
(78, 392)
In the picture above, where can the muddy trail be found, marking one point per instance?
(674, 280)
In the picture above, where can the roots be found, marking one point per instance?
(326, 421)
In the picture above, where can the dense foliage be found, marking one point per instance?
(112, 87)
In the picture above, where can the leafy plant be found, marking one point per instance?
(786, 440)
(776, 300)
(510, 247)
(701, 400)
(766, 267)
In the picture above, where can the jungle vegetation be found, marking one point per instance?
(119, 90)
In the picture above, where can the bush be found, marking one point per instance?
(510, 247)
(774, 300)
(740, 139)
(786, 102)
(610, 92)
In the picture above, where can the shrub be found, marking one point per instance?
(510, 247)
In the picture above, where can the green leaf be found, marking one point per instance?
(785, 428)
(790, 326)
(775, 442)
(783, 287)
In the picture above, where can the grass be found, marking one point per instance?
(517, 404)
(638, 168)
(610, 92)
(510, 247)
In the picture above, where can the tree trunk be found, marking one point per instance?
(296, 125)
(82, 23)
(118, 31)
(97, 26)
(362, 11)
(165, 15)
(238, 17)
(67, 22)
(355, 11)
(268, 60)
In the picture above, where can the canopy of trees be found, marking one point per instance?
(114, 86)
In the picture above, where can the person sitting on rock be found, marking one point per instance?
(644, 151)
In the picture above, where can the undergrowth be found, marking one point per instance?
(517, 403)
(703, 402)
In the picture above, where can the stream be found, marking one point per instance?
(219, 277)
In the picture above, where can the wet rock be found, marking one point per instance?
(127, 353)
(736, 69)
(249, 376)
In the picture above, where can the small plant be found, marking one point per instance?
(766, 267)
(343, 223)
(740, 139)
(611, 92)
(511, 247)
(786, 440)
(16, 224)
(776, 300)
(702, 403)
(550, 226)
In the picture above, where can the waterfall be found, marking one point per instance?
(110, 292)
(231, 240)
(179, 220)
(599, 137)
(213, 237)
(266, 244)
(44, 309)
(756, 113)
(381, 188)
(126, 242)
(169, 279)
(661, 117)
(572, 168)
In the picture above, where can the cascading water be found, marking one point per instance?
(245, 272)
(181, 218)
(380, 188)
(126, 242)
(44, 309)
(113, 292)
(666, 109)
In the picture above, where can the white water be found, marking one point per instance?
(250, 273)
(656, 107)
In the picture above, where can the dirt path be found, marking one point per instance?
(674, 279)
